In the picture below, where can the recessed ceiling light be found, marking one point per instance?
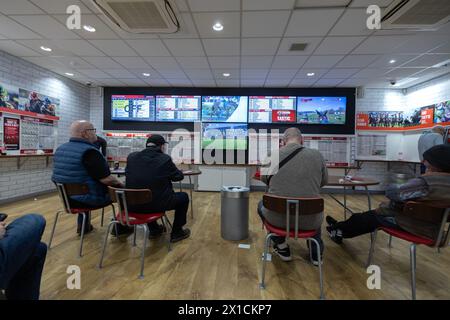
(146, 74)
(46, 49)
(69, 74)
(226, 74)
(218, 26)
(310, 74)
(392, 61)
(89, 28)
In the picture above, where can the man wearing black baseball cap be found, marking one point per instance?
(434, 186)
(152, 169)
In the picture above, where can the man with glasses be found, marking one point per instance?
(80, 161)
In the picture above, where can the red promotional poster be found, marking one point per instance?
(362, 120)
(283, 115)
(427, 115)
(11, 133)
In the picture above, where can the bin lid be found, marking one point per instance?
(235, 192)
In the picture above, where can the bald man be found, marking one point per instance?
(80, 161)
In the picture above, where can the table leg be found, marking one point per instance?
(368, 198)
(345, 203)
(192, 199)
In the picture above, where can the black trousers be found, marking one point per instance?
(362, 223)
(279, 240)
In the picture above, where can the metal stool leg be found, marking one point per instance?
(192, 199)
(413, 270)
(141, 276)
(83, 225)
(134, 236)
(169, 244)
(373, 238)
(53, 229)
(319, 258)
(103, 215)
(390, 241)
(262, 285)
(108, 230)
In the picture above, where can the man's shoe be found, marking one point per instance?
(154, 233)
(283, 251)
(315, 261)
(180, 235)
(330, 220)
(335, 234)
(87, 229)
(121, 230)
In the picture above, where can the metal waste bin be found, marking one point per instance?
(234, 213)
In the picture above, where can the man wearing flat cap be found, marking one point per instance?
(433, 185)
(152, 169)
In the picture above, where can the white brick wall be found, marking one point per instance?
(34, 176)
(96, 109)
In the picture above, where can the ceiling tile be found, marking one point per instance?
(224, 62)
(366, 3)
(288, 62)
(357, 61)
(73, 62)
(277, 83)
(60, 6)
(180, 82)
(13, 30)
(193, 62)
(204, 83)
(318, 73)
(149, 48)
(256, 62)
(352, 23)
(286, 44)
(102, 31)
(112, 82)
(157, 82)
(114, 48)
(162, 62)
(18, 7)
(131, 62)
(173, 73)
(254, 24)
(199, 74)
(350, 83)
(218, 74)
(427, 60)
(46, 26)
(221, 47)
(254, 74)
(102, 62)
(302, 4)
(421, 43)
(282, 73)
(305, 22)
(268, 4)
(44, 62)
(445, 48)
(252, 83)
(380, 45)
(185, 47)
(17, 49)
(370, 73)
(36, 46)
(301, 83)
(94, 73)
(384, 61)
(322, 61)
(231, 24)
(187, 28)
(214, 5)
(181, 5)
(403, 72)
(340, 73)
(338, 45)
(80, 47)
(228, 83)
(134, 82)
(327, 82)
(139, 73)
(260, 46)
(119, 73)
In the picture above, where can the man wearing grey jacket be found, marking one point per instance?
(302, 176)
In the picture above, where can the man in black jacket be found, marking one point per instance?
(152, 169)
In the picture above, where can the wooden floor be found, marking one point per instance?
(207, 267)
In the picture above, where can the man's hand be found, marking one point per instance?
(2, 229)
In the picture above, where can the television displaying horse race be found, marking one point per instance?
(321, 110)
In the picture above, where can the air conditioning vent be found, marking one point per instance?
(298, 47)
(416, 14)
(140, 16)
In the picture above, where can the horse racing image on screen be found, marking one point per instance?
(224, 109)
(321, 110)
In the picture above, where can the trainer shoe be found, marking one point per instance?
(330, 220)
(283, 251)
(180, 235)
(335, 234)
(156, 232)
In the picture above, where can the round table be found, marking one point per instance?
(189, 174)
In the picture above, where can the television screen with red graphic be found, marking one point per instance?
(321, 110)
(271, 109)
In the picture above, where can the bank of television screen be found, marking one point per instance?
(271, 109)
(178, 108)
(224, 136)
(224, 109)
(132, 108)
(321, 110)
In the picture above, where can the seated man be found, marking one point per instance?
(154, 170)
(302, 175)
(433, 185)
(22, 257)
(80, 161)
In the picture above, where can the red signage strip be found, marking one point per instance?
(30, 114)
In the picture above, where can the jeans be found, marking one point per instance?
(279, 240)
(22, 257)
(362, 223)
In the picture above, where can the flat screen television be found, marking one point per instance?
(178, 108)
(268, 109)
(224, 136)
(321, 110)
(132, 108)
(224, 108)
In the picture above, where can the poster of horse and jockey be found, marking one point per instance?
(33, 101)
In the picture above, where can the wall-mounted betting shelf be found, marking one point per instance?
(411, 164)
(27, 156)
